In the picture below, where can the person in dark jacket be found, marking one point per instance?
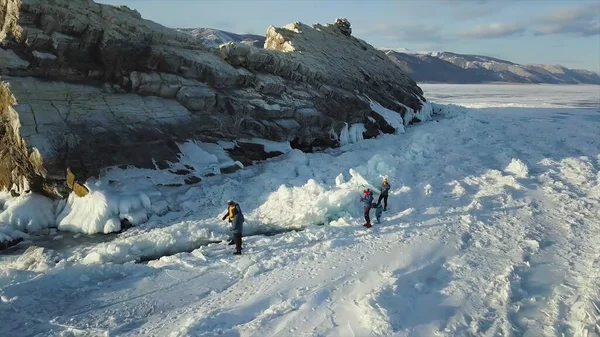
(385, 189)
(236, 218)
(367, 200)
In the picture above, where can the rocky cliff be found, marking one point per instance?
(88, 86)
(442, 67)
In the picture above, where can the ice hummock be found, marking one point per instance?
(25, 213)
(102, 210)
(132, 194)
(352, 134)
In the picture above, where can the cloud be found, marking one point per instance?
(409, 32)
(472, 9)
(582, 20)
(493, 30)
(470, 2)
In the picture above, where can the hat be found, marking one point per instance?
(385, 180)
(230, 202)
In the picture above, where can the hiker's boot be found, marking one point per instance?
(238, 243)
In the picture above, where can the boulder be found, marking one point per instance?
(86, 86)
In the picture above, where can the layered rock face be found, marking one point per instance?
(88, 86)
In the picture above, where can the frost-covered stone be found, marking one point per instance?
(87, 86)
(344, 26)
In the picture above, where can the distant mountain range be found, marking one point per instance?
(441, 67)
(446, 67)
(214, 37)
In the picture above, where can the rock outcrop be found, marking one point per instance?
(88, 86)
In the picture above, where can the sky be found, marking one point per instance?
(521, 31)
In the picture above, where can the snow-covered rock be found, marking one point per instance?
(215, 37)
(80, 78)
(27, 213)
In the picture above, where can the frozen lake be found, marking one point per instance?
(514, 95)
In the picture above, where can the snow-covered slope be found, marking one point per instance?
(215, 37)
(491, 231)
(446, 67)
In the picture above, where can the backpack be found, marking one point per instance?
(241, 215)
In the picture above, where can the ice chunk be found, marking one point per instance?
(393, 118)
(112, 225)
(269, 145)
(408, 115)
(517, 168)
(137, 217)
(448, 110)
(91, 213)
(426, 111)
(35, 259)
(160, 207)
(26, 213)
(205, 158)
(101, 211)
(296, 157)
(339, 179)
(226, 145)
(352, 134)
(202, 161)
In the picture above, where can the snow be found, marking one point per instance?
(34, 259)
(310, 204)
(205, 158)
(26, 213)
(352, 134)
(393, 118)
(426, 112)
(43, 56)
(491, 231)
(269, 145)
(226, 145)
(518, 168)
(201, 160)
(102, 210)
(514, 96)
(134, 197)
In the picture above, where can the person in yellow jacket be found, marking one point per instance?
(236, 218)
